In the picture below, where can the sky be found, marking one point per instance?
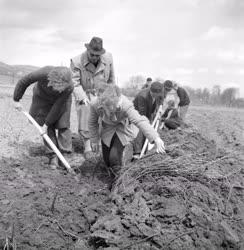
(198, 43)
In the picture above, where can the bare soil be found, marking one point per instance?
(190, 198)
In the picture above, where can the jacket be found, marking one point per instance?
(86, 76)
(48, 106)
(126, 126)
(183, 96)
(143, 102)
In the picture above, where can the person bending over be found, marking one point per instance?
(170, 119)
(119, 126)
(51, 105)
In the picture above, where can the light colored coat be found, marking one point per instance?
(86, 75)
(126, 126)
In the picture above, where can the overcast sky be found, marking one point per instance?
(195, 42)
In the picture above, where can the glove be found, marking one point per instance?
(18, 106)
(159, 145)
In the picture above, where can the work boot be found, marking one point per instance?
(53, 162)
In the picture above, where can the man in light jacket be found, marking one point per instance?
(91, 67)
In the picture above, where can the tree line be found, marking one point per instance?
(199, 96)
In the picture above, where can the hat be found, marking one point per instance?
(149, 79)
(168, 85)
(95, 46)
(156, 87)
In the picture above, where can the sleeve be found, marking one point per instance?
(79, 92)
(140, 105)
(27, 80)
(93, 124)
(183, 96)
(111, 78)
(187, 98)
(141, 122)
(58, 107)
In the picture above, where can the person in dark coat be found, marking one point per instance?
(170, 119)
(146, 103)
(183, 97)
(51, 105)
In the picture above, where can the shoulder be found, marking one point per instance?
(77, 59)
(107, 57)
(182, 90)
(144, 93)
(125, 103)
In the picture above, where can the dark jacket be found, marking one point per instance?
(173, 121)
(143, 103)
(183, 96)
(174, 115)
(48, 106)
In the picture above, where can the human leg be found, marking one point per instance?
(171, 124)
(53, 159)
(83, 115)
(182, 112)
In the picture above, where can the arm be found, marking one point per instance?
(141, 122)
(93, 124)
(79, 92)
(27, 80)
(58, 107)
(183, 96)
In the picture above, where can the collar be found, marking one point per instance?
(86, 61)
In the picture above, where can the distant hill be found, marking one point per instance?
(10, 74)
(15, 70)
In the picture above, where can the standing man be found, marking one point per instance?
(184, 99)
(91, 67)
(146, 103)
(148, 83)
(51, 105)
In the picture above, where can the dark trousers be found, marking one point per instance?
(172, 124)
(62, 140)
(138, 142)
(112, 155)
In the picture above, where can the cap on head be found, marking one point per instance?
(149, 79)
(156, 87)
(168, 85)
(95, 46)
